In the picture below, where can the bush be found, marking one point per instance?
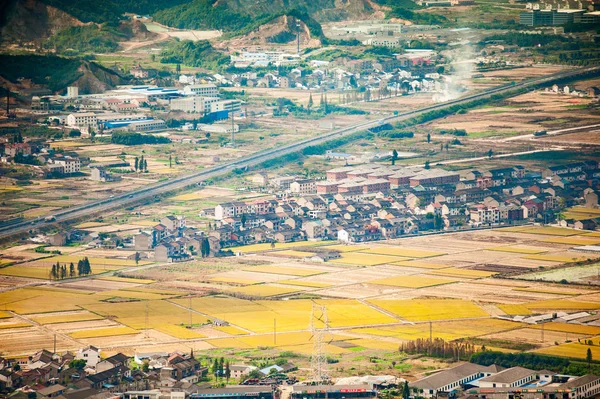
(128, 138)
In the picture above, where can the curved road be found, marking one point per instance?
(180, 182)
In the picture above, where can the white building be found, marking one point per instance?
(509, 378)
(303, 186)
(90, 354)
(193, 104)
(70, 164)
(82, 119)
(206, 90)
(147, 126)
(72, 91)
(219, 128)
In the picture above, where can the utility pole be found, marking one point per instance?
(232, 125)
(542, 332)
(274, 331)
(191, 324)
(147, 332)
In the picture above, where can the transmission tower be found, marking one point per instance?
(318, 360)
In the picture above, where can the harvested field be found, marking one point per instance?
(421, 264)
(569, 328)
(364, 259)
(301, 283)
(581, 274)
(430, 309)
(13, 322)
(534, 336)
(24, 341)
(125, 280)
(566, 258)
(179, 332)
(290, 253)
(551, 231)
(464, 273)
(403, 252)
(264, 290)
(411, 281)
(233, 281)
(267, 247)
(529, 251)
(287, 271)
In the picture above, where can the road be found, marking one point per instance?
(18, 227)
(551, 133)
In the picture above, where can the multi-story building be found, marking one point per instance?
(147, 126)
(82, 119)
(70, 164)
(204, 90)
(303, 186)
(193, 104)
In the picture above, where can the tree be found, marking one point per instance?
(588, 357)
(71, 270)
(146, 367)
(215, 368)
(310, 102)
(78, 364)
(427, 165)
(63, 271)
(272, 245)
(170, 161)
(490, 153)
(447, 146)
(405, 391)
(137, 258)
(16, 367)
(394, 157)
(244, 219)
(137, 163)
(429, 137)
(205, 248)
(227, 371)
(53, 272)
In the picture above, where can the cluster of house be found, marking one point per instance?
(43, 159)
(495, 382)
(592, 91)
(375, 201)
(87, 374)
(172, 241)
(404, 74)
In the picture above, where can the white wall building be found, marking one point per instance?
(90, 354)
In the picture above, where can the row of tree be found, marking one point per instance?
(59, 272)
(221, 369)
(140, 165)
(439, 347)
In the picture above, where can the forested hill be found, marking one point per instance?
(110, 10)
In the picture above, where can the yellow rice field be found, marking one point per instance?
(364, 259)
(230, 330)
(411, 281)
(4, 315)
(287, 271)
(445, 330)
(291, 315)
(196, 195)
(421, 264)
(346, 248)
(562, 304)
(526, 251)
(66, 318)
(571, 350)
(103, 332)
(464, 273)
(579, 240)
(514, 309)
(570, 328)
(403, 252)
(376, 344)
(431, 309)
(178, 331)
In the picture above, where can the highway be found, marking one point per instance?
(97, 207)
